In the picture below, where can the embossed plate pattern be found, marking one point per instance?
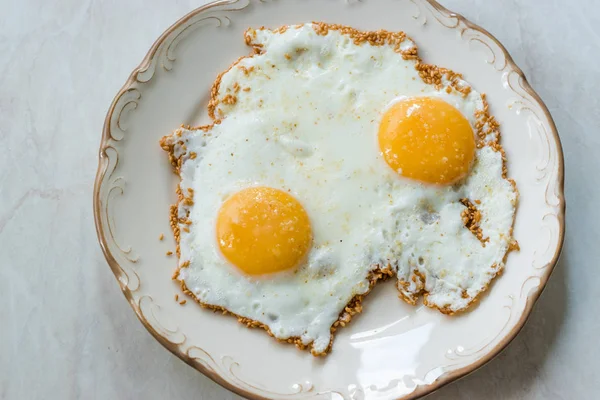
(392, 350)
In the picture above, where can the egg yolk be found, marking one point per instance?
(262, 230)
(428, 140)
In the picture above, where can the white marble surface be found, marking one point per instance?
(66, 331)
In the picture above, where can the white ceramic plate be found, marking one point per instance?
(392, 350)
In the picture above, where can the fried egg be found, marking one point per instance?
(338, 158)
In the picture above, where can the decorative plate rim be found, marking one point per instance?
(420, 390)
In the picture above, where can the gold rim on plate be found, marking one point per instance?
(421, 390)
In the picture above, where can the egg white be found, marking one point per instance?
(308, 125)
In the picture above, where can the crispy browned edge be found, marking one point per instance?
(430, 74)
(353, 307)
(470, 217)
(421, 390)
